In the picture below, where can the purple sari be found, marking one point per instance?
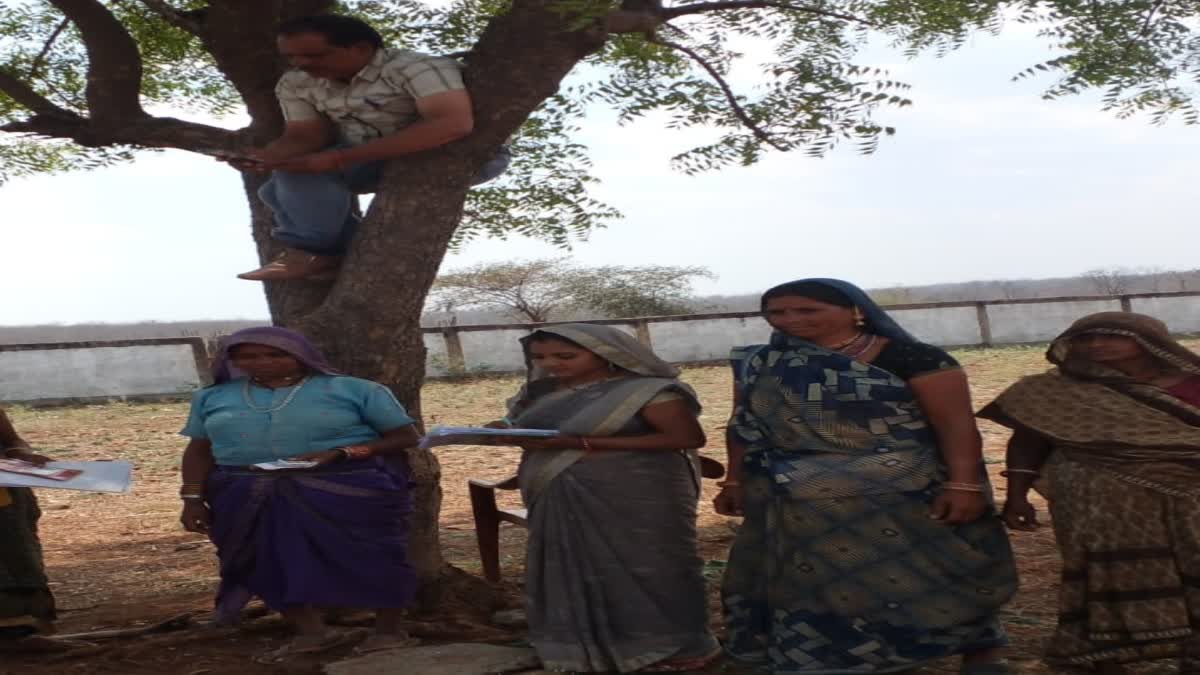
(333, 536)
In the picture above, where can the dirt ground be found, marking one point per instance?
(124, 561)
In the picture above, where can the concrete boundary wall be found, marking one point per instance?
(131, 369)
(80, 372)
(708, 337)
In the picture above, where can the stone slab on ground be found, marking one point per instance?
(510, 618)
(452, 659)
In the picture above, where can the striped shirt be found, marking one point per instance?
(379, 100)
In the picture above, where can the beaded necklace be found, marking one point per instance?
(271, 409)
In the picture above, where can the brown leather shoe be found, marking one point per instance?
(295, 264)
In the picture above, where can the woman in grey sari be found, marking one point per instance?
(613, 579)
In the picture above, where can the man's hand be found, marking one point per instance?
(249, 159)
(317, 162)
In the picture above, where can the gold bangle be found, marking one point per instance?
(962, 487)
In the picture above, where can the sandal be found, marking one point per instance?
(330, 640)
(685, 665)
(379, 643)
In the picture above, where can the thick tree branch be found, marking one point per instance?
(149, 132)
(114, 63)
(20, 91)
(185, 21)
(738, 111)
(669, 13)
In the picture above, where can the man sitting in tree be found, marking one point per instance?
(349, 105)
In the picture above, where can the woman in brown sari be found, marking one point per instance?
(26, 605)
(1114, 432)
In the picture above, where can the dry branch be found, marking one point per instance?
(738, 111)
(704, 7)
(41, 55)
(174, 623)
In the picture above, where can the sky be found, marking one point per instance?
(984, 180)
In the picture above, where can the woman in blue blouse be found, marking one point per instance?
(332, 534)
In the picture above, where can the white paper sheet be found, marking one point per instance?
(115, 477)
(477, 435)
(285, 464)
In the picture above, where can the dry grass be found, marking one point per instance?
(123, 560)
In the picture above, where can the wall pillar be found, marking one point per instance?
(985, 324)
(456, 359)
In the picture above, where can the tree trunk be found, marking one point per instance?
(368, 319)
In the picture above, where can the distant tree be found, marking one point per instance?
(895, 295)
(538, 291)
(528, 290)
(1109, 280)
(652, 290)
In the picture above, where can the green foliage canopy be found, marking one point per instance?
(810, 92)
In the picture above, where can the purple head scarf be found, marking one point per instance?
(289, 341)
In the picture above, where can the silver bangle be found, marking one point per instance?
(192, 497)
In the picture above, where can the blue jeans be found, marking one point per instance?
(315, 212)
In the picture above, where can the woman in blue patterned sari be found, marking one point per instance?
(869, 542)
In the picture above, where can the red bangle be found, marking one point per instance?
(587, 447)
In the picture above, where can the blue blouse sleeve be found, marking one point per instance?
(381, 410)
(195, 422)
